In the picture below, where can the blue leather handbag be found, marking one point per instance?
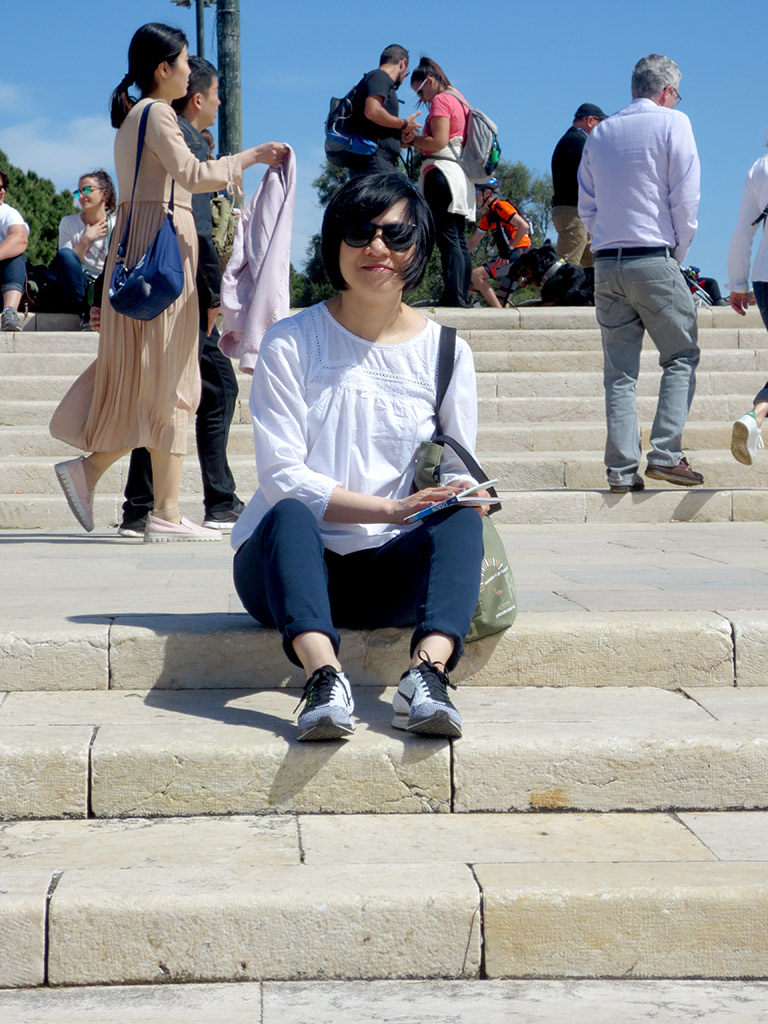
(157, 280)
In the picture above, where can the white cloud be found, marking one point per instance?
(10, 96)
(59, 150)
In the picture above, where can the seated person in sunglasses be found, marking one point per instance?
(83, 243)
(343, 393)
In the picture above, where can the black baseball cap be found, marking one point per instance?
(588, 110)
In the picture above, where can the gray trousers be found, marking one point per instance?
(634, 294)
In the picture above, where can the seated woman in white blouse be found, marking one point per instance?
(343, 393)
(83, 244)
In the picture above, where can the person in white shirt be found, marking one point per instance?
(638, 198)
(343, 393)
(14, 238)
(746, 437)
(83, 244)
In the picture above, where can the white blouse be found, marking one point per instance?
(331, 409)
(753, 202)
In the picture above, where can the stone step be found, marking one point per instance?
(663, 505)
(493, 439)
(166, 753)
(509, 895)
(70, 365)
(525, 471)
(371, 1002)
(668, 505)
(15, 412)
(138, 651)
(490, 385)
(570, 318)
(482, 336)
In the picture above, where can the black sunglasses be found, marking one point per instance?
(397, 236)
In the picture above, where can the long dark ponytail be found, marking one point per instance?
(151, 45)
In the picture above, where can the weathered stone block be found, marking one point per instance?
(22, 927)
(38, 656)
(44, 771)
(274, 922)
(625, 920)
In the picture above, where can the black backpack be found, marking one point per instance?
(341, 138)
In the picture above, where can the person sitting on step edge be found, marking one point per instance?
(343, 392)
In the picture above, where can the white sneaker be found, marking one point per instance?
(328, 704)
(421, 703)
(746, 439)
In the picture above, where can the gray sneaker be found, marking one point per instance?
(10, 320)
(328, 703)
(421, 703)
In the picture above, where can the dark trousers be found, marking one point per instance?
(66, 284)
(428, 577)
(451, 243)
(761, 297)
(212, 423)
(13, 274)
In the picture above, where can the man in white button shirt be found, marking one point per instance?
(638, 198)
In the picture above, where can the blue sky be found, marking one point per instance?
(528, 66)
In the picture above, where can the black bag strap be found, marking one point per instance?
(763, 216)
(445, 357)
(139, 148)
(446, 354)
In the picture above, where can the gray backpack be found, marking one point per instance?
(481, 150)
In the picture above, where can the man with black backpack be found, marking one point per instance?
(375, 117)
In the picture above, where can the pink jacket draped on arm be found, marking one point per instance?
(255, 288)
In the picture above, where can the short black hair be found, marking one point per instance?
(364, 198)
(201, 76)
(393, 54)
(4, 179)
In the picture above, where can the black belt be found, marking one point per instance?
(637, 250)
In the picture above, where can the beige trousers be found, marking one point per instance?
(572, 237)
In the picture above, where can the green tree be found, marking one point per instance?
(41, 206)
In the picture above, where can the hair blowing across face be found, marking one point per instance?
(152, 45)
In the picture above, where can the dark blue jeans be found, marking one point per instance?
(66, 283)
(13, 275)
(761, 295)
(428, 577)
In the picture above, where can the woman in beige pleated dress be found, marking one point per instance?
(145, 382)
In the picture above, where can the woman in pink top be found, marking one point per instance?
(443, 183)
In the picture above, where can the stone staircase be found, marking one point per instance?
(603, 816)
(541, 422)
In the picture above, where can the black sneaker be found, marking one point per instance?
(132, 527)
(328, 703)
(224, 521)
(421, 703)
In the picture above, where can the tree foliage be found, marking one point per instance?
(530, 192)
(41, 206)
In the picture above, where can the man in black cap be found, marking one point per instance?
(572, 238)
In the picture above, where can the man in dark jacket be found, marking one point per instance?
(197, 112)
(572, 238)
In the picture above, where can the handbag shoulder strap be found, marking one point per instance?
(446, 355)
(139, 148)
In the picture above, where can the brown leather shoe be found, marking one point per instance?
(681, 474)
